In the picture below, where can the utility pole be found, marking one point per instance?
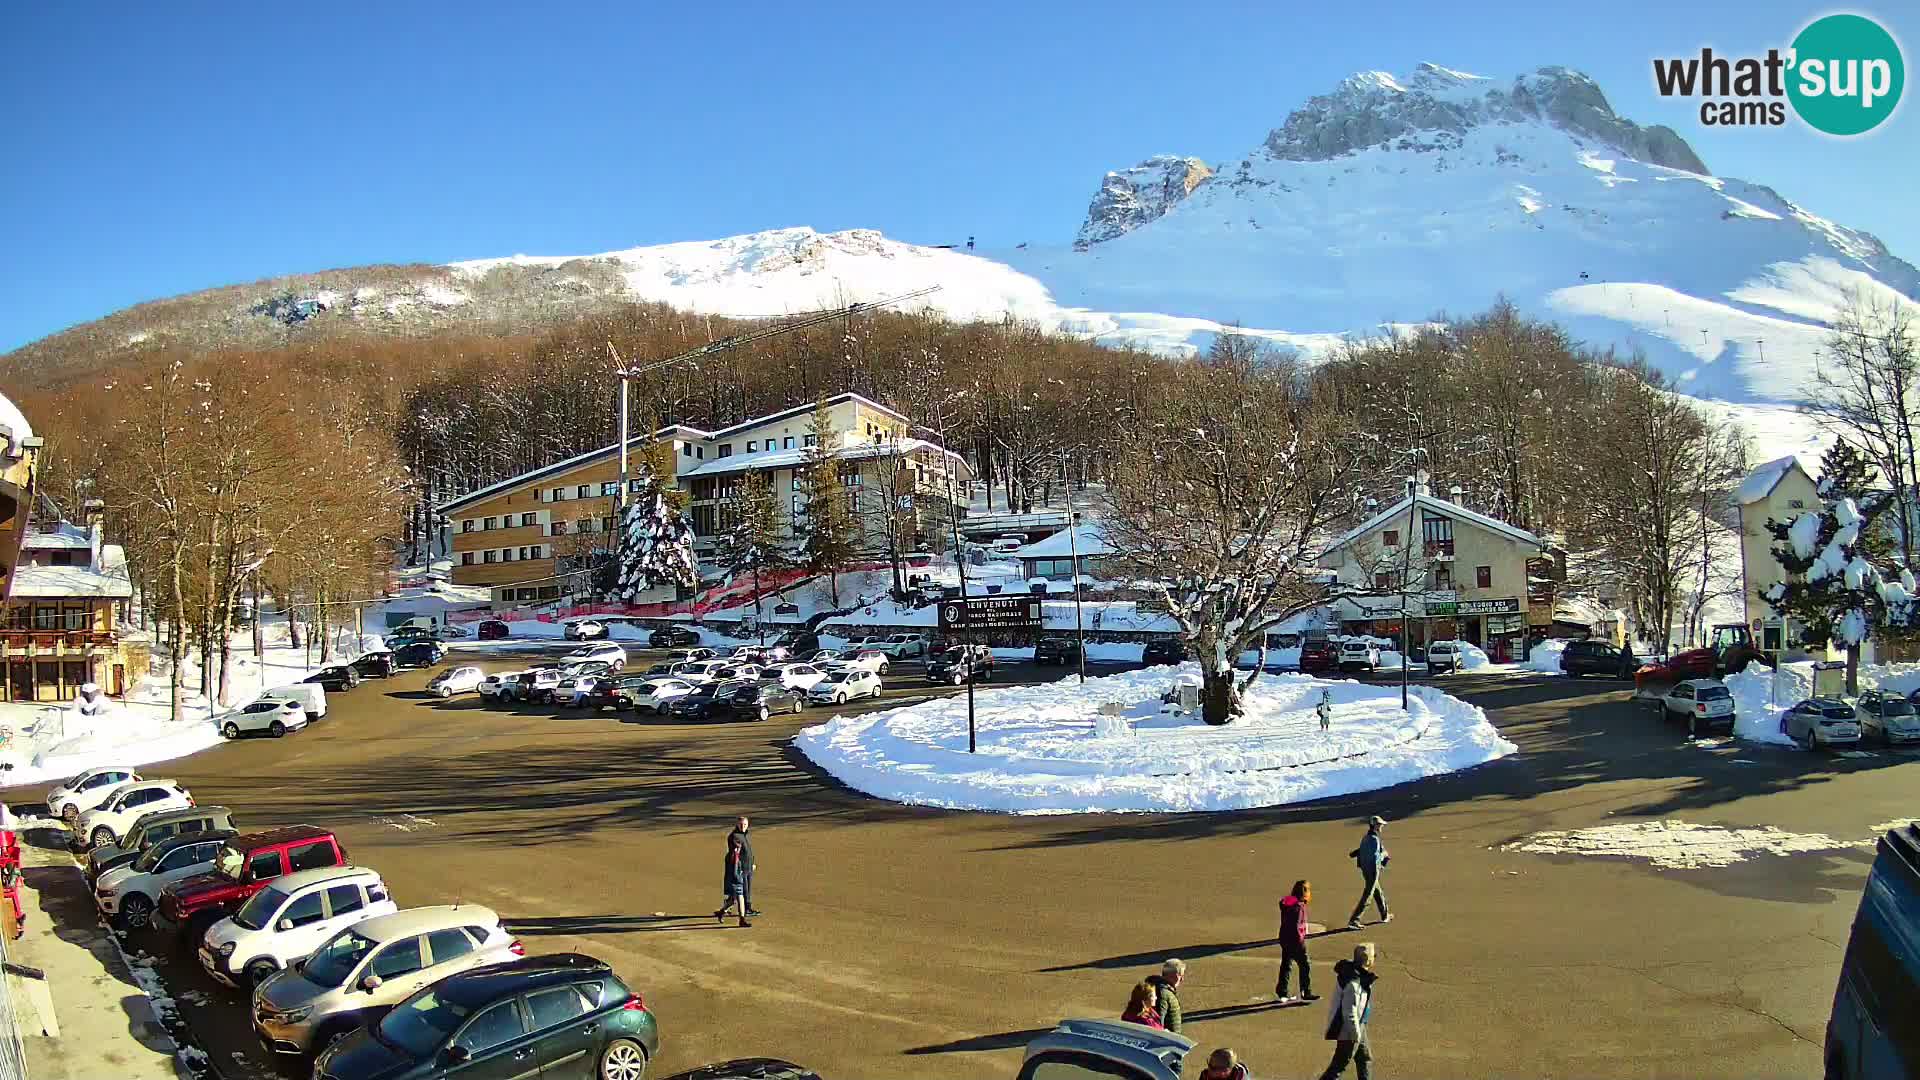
(1073, 549)
(959, 562)
(1414, 483)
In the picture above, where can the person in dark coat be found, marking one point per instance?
(740, 829)
(1166, 999)
(1347, 1019)
(733, 882)
(1371, 858)
(1293, 942)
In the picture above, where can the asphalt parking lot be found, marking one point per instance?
(911, 942)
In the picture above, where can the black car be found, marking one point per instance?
(1164, 651)
(567, 1012)
(672, 637)
(335, 678)
(1056, 650)
(759, 700)
(418, 654)
(702, 704)
(1596, 658)
(407, 635)
(799, 642)
(375, 665)
(958, 666)
(748, 1069)
(491, 629)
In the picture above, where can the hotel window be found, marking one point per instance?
(489, 523)
(1383, 581)
(466, 525)
(686, 449)
(583, 525)
(1390, 538)
(610, 487)
(46, 618)
(807, 440)
(466, 558)
(529, 519)
(528, 594)
(583, 491)
(536, 494)
(786, 443)
(726, 449)
(489, 555)
(700, 453)
(19, 617)
(548, 592)
(1443, 578)
(537, 549)
(523, 554)
(636, 485)
(559, 494)
(752, 446)
(1483, 576)
(506, 554)
(559, 528)
(606, 523)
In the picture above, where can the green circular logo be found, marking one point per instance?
(1847, 74)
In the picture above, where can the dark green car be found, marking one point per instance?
(565, 1015)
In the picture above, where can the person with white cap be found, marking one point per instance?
(1347, 1017)
(1371, 857)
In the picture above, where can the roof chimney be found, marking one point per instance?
(94, 513)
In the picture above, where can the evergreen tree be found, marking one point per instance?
(656, 543)
(754, 539)
(829, 533)
(1841, 585)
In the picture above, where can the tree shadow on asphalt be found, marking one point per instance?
(1154, 957)
(1005, 1040)
(610, 924)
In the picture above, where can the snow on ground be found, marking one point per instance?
(1758, 702)
(1680, 845)
(1048, 750)
(1545, 656)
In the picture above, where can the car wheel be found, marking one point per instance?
(798, 705)
(1806, 740)
(136, 911)
(765, 712)
(102, 836)
(623, 1059)
(231, 731)
(839, 699)
(260, 971)
(277, 729)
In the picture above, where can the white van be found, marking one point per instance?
(311, 696)
(1007, 545)
(424, 622)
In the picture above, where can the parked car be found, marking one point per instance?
(459, 680)
(376, 664)
(1869, 1026)
(738, 671)
(1164, 651)
(497, 1020)
(534, 684)
(311, 696)
(699, 671)
(450, 632)
(129, 893)
(371, 966)
(1705, 704)
(1600, 658)
(335, 678)
(1056, 650)
(1358, 654)
(1317, 651)
(799, 642)
(904, 646)
(1443, 657)
(759, 700)
(865, 659)
(419, 654)
(153, 828)
(1886, 716)
(649, 696)
(668, 637)
(246, 864)
(584, 630)
(283, 923)
(1821, 721)
(408, 635)
(498, 686)
(605, 652)
(700, 704)
(688, 656)
(491, 630)
(958, 666)
(799, 677)
(274, 716)
(87, 789)
(826, 656)
(107, 823)
(843, 685)
(1105, 1048)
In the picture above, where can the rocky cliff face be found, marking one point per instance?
(1133, 197)
(1430, 108)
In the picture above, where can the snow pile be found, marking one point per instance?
(1677, 845)
(1758, 718)
(1471, 656)
(1041, 751)
(1544, 657)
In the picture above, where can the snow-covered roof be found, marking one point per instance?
(797, 410)
(110, 580)
(1088, 539)
(61, 536)
(788, 459)
(1439, 506)
(1760, 482)
(636, 443)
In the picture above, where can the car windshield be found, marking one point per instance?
(1837, 712)
(336, 960)
(1712, 693)
(1896, 707)
(420, 1024)
(253, 914)
(835, 676)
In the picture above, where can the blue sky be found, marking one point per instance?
(149, 151)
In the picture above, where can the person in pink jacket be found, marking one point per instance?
(1293, 943)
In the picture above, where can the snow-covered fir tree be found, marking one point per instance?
(753, 538)
(656, 543)
(1842, 584)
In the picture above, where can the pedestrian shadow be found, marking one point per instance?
(1005, 1040)
(609, 924)
(1154, 957)
(1224, 1011)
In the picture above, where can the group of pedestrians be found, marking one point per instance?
(1155, 1000)
(736, 881)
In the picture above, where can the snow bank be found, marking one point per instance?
(1049, 750)
(1679, 845)
(1757, 717)
(1471, 656)
(1543, 658)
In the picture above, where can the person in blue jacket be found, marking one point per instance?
(1371, 857)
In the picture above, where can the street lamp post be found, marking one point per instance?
(1073, 546)
(959, 562)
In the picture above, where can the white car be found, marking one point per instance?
(843, 685)
(83, 791)
(372, 966)
(458, 680)
(284, 922)
(606, 652)
(585, 630)
(498, 686)
(738, 670)
(871, 642)
(700, 671)
(275, 716)
(107, 823)
(800, 677)
(132, 892)
(1357, 653)
(650, 696)
(872, 660)
(1704, 704)
(904, 646)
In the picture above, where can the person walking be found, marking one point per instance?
(1165, 992)
(1223, 1064)
(1293, 943)
(733, 881)
(1140, 1009)
(1347, 1017)
(1325, 709)
(741, 829)
(1371, 857)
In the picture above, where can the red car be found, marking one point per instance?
(246, 865)
(491, 629)
(1317, 652)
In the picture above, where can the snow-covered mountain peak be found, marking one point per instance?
(1431, 107)
(1130, 198)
